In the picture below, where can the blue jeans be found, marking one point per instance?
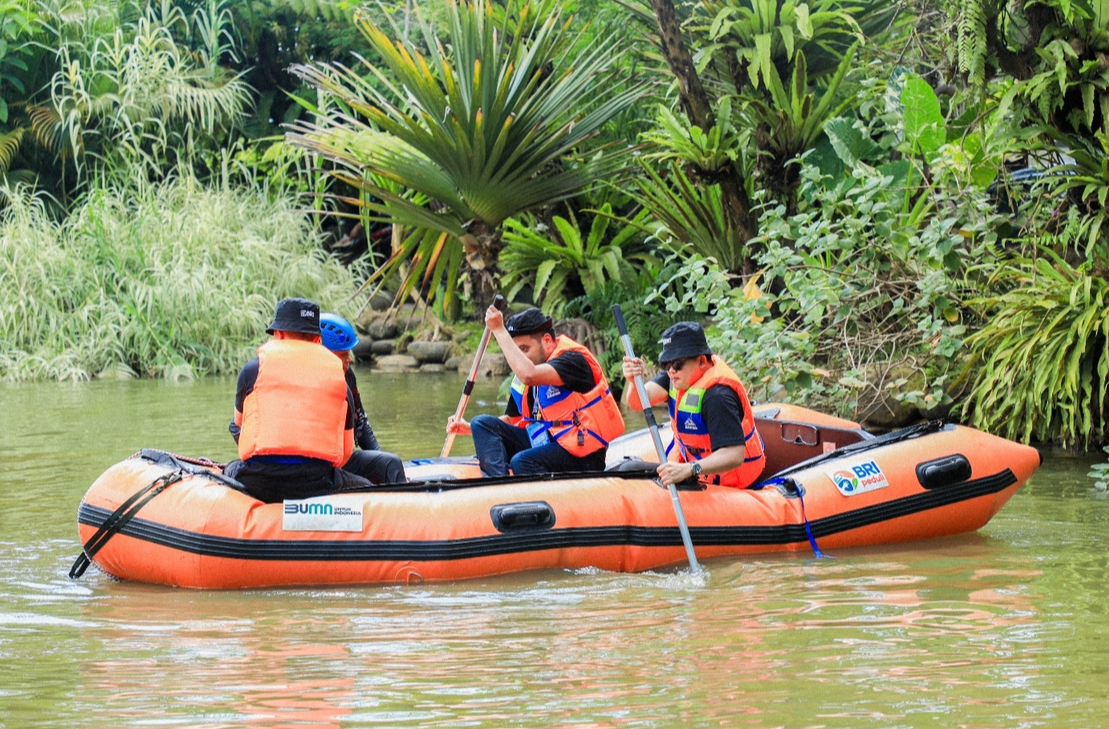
(500, 445)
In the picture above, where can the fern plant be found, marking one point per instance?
(970, 41)
(567, 263)
(691, 214)
(1039, 367)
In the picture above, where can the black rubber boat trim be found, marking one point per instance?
(341, 551)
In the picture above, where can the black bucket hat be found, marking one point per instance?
(296, 315)
(684, 339)
(531, 321)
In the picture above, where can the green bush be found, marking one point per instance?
(561, 261)
(1039, 367)
(859, 299)
(645, 322)
(172, 280)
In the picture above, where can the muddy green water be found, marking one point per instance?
(1008, 627)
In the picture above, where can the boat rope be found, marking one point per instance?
(896, 436)
(119, 519)
(793, 487)
(179, 463)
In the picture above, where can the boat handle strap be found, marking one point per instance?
(119, 519)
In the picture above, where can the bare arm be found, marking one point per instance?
(634, 366)
(720, 461)
(529, 373)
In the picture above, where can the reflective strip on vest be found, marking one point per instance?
(298, 405)
(691, 433)
(580, 422)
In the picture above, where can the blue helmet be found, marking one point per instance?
(337, 333)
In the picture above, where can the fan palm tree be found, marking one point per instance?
(485, 113)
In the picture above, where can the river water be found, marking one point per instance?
(1008, 627)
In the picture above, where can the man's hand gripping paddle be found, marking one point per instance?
(653, 427)
(499, 303)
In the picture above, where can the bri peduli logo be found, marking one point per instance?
(859, 478)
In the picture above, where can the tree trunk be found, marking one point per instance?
(695, 102)
(481, 264)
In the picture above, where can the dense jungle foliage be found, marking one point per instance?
(873, 219)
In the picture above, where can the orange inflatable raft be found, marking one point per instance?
(163, 519)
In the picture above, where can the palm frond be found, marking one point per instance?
(9, 146)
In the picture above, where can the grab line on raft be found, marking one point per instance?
(118, 519)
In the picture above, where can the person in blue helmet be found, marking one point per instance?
(370, 462)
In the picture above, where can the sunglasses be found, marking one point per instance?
(675, 365)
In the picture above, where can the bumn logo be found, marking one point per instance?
(309, 508)
(336, 513)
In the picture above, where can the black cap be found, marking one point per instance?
(684, 339)
(531, 321)
(296, 315)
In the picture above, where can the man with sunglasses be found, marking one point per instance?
(710, 415)
(561, 415)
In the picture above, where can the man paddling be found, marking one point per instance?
(294, 416)
(710, 415)
(561, 415)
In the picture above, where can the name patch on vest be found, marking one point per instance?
(323, 514)
(858, 477)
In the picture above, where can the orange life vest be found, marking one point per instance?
(580, 422)
(298, 405)
(691, 435)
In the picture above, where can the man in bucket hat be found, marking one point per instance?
(561, 415)
(710, 415)
(294, 418)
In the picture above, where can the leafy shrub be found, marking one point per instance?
(1099, 472)
(560, 261)
(1039, 367)
(865, 296)
(172, 280)
(645, 322)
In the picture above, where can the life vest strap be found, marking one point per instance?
(575, 423)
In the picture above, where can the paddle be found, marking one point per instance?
(499, 303)
(653, 427)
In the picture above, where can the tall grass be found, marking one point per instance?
(175, 280)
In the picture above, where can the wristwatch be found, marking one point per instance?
(696, 468)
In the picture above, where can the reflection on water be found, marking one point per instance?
(1003, 628)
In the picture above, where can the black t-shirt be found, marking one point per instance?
(722, 411)
(575, 372)
(248, 375)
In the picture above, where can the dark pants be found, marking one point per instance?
(500, 445)
(376, 466)
(633, 464)
(273, 482)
